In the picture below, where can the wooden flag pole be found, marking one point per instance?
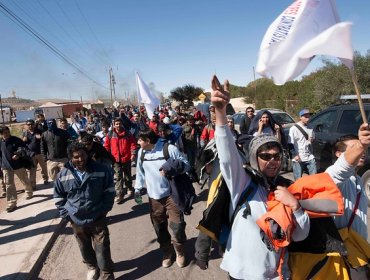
(360, 103)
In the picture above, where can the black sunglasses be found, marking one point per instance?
(268, 157)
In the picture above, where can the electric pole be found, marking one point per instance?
(112, 82)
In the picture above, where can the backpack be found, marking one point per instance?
(182, 189)
(216, 222)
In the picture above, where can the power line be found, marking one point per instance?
(78, 33)
(11, 15)
(109, 60)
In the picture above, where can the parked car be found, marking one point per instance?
(331, 123)
(279, 116)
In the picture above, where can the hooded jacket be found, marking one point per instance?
(254, 125)
(54, 144)
(246, 255)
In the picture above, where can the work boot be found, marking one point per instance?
(130, 191)
(11, 208)
(203, 265)
(93, 273)
(119, 199)
(180, 255)
(167, 256)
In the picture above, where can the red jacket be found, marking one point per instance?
(153, 126)
(120, 145)
(208, 133)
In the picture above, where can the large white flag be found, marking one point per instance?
(305, 29)
(146, 96)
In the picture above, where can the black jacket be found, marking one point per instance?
(99, 154)
(182, 190)
(54, 144)
(245, 124)
(32, 142)
(9, 147)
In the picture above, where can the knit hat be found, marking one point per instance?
(257, 142)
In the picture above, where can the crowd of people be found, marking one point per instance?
(89, 159)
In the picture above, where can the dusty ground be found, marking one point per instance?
(20, 189)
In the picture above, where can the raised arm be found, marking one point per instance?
(231, 164)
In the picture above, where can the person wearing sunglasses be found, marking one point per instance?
(246, 255)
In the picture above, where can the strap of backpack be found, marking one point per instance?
(302, 131)
(165, 151)
(166, 154)
(354, 210)
(248, 192)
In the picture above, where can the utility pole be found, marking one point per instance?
(112, 82)
(254, 81)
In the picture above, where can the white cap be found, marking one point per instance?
(166, 120)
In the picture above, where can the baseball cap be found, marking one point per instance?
(304, 112)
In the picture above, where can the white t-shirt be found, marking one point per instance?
(301, 145)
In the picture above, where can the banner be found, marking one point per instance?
(145, 96)
(305, 29)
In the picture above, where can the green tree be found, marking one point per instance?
(186, 94)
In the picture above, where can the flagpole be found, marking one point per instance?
(2, 111)
(360, 103)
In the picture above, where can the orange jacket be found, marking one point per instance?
(318, 195)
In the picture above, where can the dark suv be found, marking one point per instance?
(331, 123)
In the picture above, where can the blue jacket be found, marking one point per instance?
(86, 201)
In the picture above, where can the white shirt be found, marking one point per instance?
(301, 146)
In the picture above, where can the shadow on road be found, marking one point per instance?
(137, 210)
(142, 265)
(19, 275)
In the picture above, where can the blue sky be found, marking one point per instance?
(169, 42)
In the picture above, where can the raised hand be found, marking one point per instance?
(220, 96)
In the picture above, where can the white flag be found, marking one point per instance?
(146, 96)
(305, 29)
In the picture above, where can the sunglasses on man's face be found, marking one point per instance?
(268, 156)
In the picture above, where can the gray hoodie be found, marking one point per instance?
(246, 255)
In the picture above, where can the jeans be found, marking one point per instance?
(300, 167)
(95, 236)
(164, 210)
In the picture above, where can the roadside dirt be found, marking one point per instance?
(20, 190)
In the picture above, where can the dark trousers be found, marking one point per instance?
(122, 176)
(203, 247)
(95, 236)
(164, 211)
